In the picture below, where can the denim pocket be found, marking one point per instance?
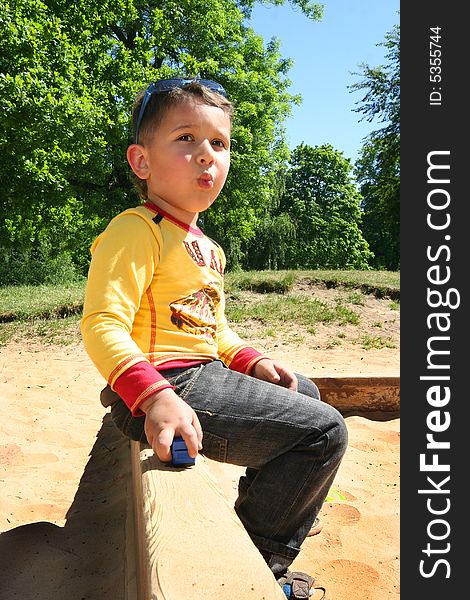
(184, 380)
(214, 447)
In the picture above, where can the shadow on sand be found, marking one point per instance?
(86, 558)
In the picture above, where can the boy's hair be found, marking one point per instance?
(158, 105)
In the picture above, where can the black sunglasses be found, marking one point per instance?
(165, 85)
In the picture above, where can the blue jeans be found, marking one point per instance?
(292, 444)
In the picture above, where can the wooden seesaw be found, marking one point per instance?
(188, 541)
(376, 398)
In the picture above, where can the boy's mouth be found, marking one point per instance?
(206, 181)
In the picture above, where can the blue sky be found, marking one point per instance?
(325, 55)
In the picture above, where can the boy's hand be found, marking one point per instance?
(272, 371)
(167, 415)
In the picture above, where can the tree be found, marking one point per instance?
(378, 167)
(56, 170)
(322, 202)
(275, 233)
(68, 75)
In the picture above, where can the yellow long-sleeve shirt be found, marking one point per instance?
(155, 298)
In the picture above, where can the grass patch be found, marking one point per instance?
(269, 332)
(51, 312)
(63, 331)
(381, 284)
(374, 342)
(356, 298)
(333, 343)
(295, 338)
(26, 302)
(295, 308)
(263, 282)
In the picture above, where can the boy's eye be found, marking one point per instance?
(187, 137)
(219, 143)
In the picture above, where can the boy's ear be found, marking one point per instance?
(137, 159)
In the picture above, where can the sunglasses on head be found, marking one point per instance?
(165, 85)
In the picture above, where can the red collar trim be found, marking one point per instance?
(156, 209)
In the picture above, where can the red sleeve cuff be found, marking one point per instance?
(245, 360)
(138, 383)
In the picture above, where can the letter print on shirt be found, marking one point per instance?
(195, 252)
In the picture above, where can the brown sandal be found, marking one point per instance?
(299, 586)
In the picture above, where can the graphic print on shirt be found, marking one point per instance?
(196, 313)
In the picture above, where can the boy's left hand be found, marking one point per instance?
(272, 371)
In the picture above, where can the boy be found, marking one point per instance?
(154, 325)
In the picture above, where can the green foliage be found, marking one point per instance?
(378, 167)
(271, 246)
(68, 75)
(378, 173)
(35, 265)
(322, 202)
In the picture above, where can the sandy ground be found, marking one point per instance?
(64, 475)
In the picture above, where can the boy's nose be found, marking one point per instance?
(205, 153)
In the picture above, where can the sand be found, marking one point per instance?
(64, 476)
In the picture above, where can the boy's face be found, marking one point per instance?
(187, 159)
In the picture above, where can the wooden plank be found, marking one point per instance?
(130, 591)
(190, 543)
(140, 546)
(373, 397)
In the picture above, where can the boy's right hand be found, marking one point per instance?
(168, 415)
